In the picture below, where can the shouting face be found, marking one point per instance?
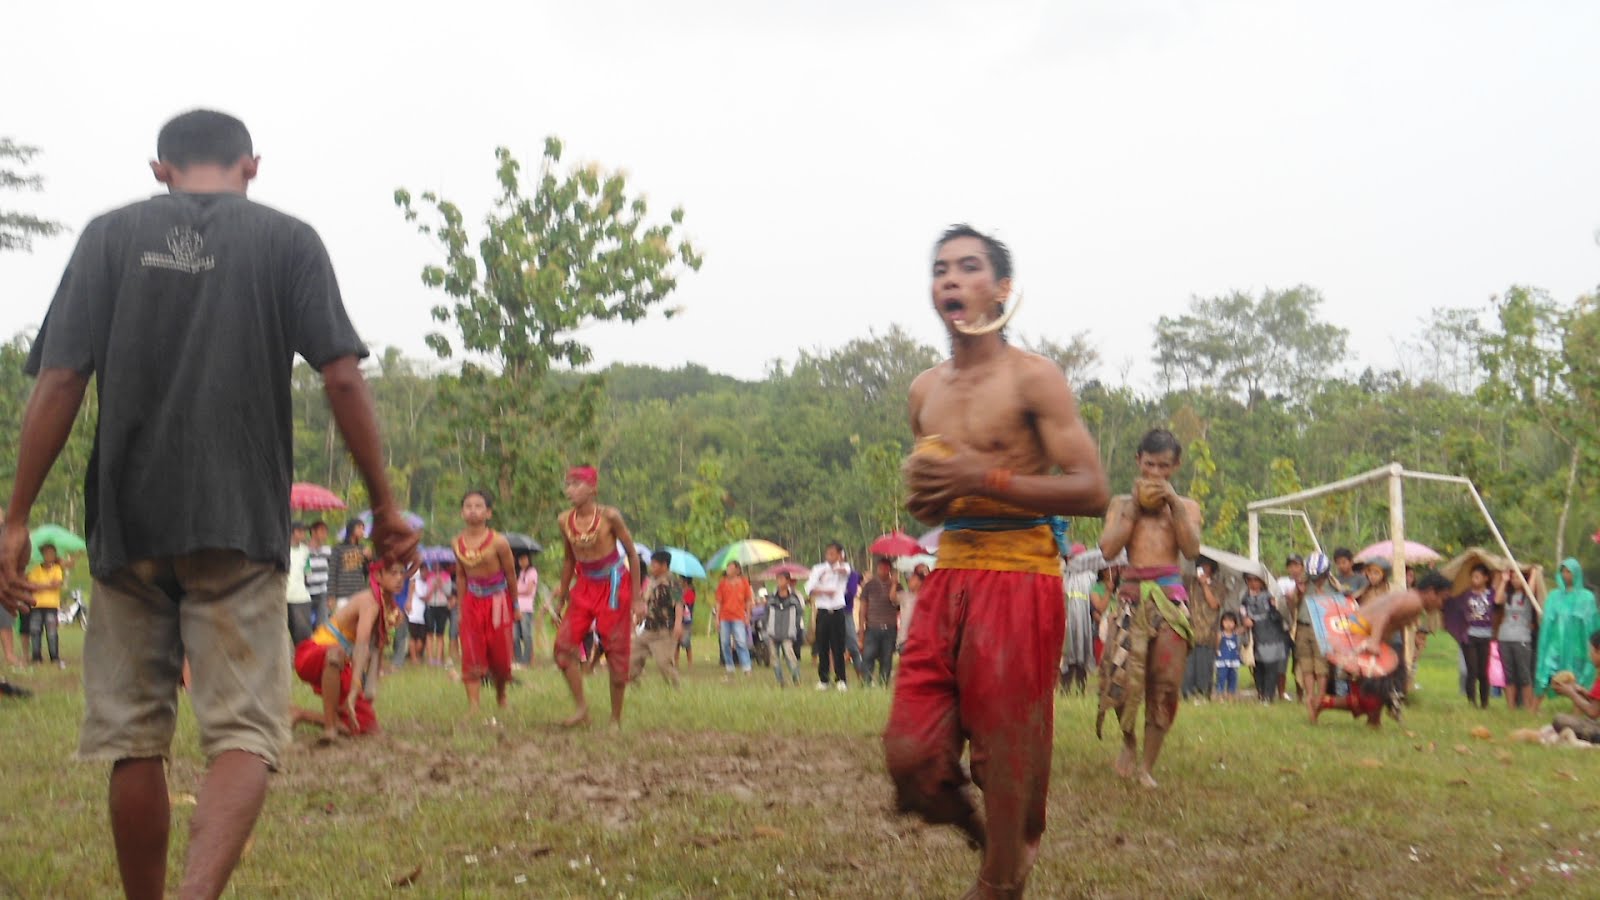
(965, 290)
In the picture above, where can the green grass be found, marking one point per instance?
(738, 790)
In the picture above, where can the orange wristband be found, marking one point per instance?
(997, 481)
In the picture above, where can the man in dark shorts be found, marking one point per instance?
(187, 309)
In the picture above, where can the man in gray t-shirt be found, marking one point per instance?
(187, 310)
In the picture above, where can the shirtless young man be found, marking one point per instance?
(1001, 452)
(1382, 620)
(486, 574)
(334, 660)
(601, 590)
(1149, 635)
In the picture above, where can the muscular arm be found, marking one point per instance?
(1186, 525)
(46, 423)
(1081, 488)
(569, 567)
(365, 621)
(508, 564)
(620, 529)
(350, 401)
(1118, 527)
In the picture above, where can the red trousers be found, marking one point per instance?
(590, 606)
(486, 644)
(310, 658)
(980, 666)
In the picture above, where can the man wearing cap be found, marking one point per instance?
(600, 588)
(1310, 665)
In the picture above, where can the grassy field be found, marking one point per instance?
(739, 790)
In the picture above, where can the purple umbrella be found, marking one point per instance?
(930, 541)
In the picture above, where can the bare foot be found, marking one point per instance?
(329, 736)
(1124, 766)
(581, 717)
(616, 724)
(1146, 781)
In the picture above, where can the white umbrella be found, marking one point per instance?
(1243, 566)
(907, 563)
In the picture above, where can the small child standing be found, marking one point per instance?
(1228, 657)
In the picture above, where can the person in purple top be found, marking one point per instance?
(1469, 617)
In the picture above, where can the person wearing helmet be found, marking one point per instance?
(1310, 665)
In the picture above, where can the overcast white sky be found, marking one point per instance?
(1397, 156)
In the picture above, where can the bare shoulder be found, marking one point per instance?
(1039, 378)
(613, 515)
(924, 382)
(1192, 507)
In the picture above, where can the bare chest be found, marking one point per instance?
(983, 411)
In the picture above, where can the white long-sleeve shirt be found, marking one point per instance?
(825, 587)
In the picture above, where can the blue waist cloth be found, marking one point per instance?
(487, 588)
(1058, 526)
(613, 573)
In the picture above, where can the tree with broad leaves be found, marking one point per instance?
(1251, 346)
(576, 251)
(18, 229)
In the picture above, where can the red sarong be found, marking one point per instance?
(310, 658)
(979, 665)
(591, 604)
(486, 626)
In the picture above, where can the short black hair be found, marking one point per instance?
(350, 528)
(999, 254)
(1344, 553)
(1594, 640)
(48, 546)
(661, 556)
(297, 526)
(1230, 617)
(1480, 567)
(203, 136)
(488, 501)
(1160, 440)
(1433, 581)
(835, 545)
(319, 524)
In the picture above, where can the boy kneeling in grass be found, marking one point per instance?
(1585, 720)
(334, 660)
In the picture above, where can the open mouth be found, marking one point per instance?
(952, 306)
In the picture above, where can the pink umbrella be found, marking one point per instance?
(793, 570)
(305, 497)
(1416, 554)
(895, 543)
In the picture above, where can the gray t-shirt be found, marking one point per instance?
(189, 309)
(1516, 626)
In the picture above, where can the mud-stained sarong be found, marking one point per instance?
(1146, 650)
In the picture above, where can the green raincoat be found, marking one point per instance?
(1570, 616)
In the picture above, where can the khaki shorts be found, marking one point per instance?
(225, 613)
(1308, 658)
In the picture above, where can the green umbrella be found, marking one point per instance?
(745, 553)
(65, 542)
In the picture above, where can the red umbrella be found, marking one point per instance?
(896, 543)
(304, 496)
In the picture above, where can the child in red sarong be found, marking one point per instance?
(599, 580)
(485, 574)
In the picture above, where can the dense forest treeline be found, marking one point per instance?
(812, 451)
